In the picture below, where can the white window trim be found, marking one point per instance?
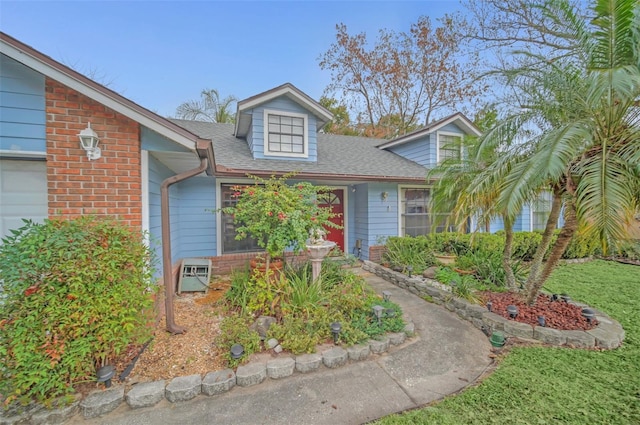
(400, 197)
(305, 135)
(446, 133)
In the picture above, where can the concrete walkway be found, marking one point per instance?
(446, 355)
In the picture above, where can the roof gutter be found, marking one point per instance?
(205, 152)
(222, 171)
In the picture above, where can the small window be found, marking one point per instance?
(449, 146)
(285, 135)
(416, 219)
(228, 228)
(540, 210)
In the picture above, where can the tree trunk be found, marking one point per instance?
(564, 238)
(556, 207)
(510, 279)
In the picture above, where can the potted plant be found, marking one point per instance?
(278, 215)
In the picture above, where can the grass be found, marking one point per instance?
(543, 385)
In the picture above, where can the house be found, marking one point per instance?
(379, 186)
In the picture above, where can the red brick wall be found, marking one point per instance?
(376, 252)
(110, 185)
(226, 263)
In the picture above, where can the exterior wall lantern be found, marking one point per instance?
(89, 141)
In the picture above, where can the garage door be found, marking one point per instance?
(23, 193)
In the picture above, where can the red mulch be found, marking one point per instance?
(557, 314)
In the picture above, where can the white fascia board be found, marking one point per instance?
(283, 91)
(80, 87)
(464, 124)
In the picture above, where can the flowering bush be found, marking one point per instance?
(279, 215)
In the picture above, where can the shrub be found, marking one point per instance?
(235, 329)
(407, 251)
(629, 249)
(75, 294)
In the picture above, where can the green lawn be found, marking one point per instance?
(538, 385)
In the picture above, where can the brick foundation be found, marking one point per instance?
(109, 186)
(376, 252)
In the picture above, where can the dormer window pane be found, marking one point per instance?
(449, 147)
(286, 134)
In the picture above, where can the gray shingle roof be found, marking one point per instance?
(349, 157)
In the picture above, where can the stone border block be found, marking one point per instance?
(219, 382)
(580, 339)
(335, 357)
(183, 388)
(145, 394)
(549, 336)
(517, 329)
(280, 368)
(251, 374)
(358, 352)
(54, 416)
(397, 338)
(102, 402)
(379, 346)
(308, 362)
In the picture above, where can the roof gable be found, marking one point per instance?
(459, 119)
(53, 69)
(243, 117)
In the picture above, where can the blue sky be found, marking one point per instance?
(161, 53)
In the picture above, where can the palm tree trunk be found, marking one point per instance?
(552, 221)
(559, 247)
(510, 278)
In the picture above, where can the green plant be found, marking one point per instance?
(234, 329)
(76, 293)
(407, 251)
(301, 294)
(301, 334)
(237, 295)
(629, 249)
(277, 215)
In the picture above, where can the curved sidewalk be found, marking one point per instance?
(446, 355)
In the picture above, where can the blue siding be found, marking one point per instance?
(361, 217)
(523, 220)
(418, 151)
(257, 130)
(22, 108)
(197, 221)
(157, 174)
(496, 224)
(383, 214)
(351, 221)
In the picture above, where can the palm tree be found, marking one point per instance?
(586, 146)
(452, 201)
(208, 108)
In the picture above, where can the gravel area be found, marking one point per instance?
(193, 352)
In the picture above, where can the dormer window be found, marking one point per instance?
(285, 134)
(449, 146)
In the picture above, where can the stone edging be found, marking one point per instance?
(183, 388)
(608, 334)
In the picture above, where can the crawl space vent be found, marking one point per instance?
(194, 275)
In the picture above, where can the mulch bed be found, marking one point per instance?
(557, 314)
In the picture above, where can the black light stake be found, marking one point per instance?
(513, 311)
(588, 314)
(378, 310)
(489, 305)
(336, 327)
(409, 270)
(386, 295)
(105, 373)
(237, 350)
(541, 321)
